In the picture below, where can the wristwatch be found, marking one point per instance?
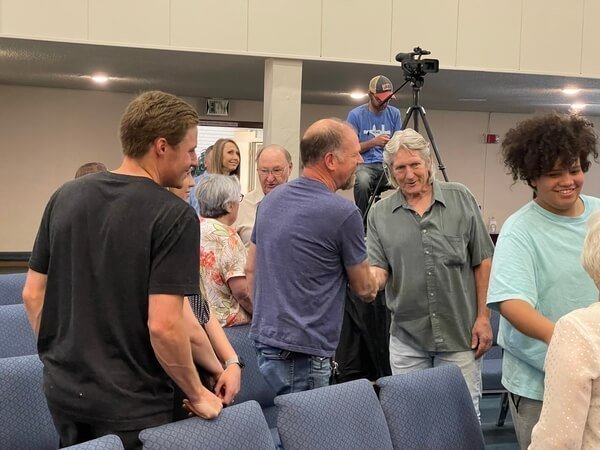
(237, 360)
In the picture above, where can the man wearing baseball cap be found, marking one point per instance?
(375, 122)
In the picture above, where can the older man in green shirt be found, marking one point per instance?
(429, 248)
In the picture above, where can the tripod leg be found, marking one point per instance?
(409, 112)
(421, 112)
(372, 199)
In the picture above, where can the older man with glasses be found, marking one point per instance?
(273, 164)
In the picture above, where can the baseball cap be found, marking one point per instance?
(381, 87)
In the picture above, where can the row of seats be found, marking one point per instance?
(429, 409)
(17, 340)
(13, 323)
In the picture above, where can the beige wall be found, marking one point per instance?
(537, 36)
(48, 133)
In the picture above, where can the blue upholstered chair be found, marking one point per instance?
(108, 442)
(254, 385)
(25, 422)
(430, 409)
(16, 335)
(238, 427)
(343, 416)
(491, 371)
(11, 288)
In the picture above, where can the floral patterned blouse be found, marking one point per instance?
(222, 256)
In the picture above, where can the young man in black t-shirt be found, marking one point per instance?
(113, 258)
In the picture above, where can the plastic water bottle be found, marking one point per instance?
(492, 225)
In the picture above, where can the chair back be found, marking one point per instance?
(341, 416)
(240, 426)
(16, 335)
(254, 386)
(11, 288)
(491, 369)
(108, 442)
(24, 415)
(430, 409)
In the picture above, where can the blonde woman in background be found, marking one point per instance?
(225, 158)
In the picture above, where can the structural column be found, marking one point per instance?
(282, 104)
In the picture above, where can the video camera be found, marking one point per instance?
(415, 67)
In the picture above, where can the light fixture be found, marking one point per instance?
(100, 78)
(475, 100)
(570, 91)
(578, 106)
(356, 95)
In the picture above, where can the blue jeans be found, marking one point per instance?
(367, 176)
(288, 372)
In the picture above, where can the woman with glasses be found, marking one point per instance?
(222, 253)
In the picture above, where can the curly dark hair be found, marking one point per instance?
(534, 146)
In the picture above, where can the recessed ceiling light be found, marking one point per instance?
(358, 95)
(100, 78)
(570, 91)
(578, 106)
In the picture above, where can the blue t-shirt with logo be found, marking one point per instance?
(369, 125)
(305, 236)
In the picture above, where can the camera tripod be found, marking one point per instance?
(416, 112)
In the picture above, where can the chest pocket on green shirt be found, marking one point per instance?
(452, 250)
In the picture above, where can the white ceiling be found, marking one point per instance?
(67, 65)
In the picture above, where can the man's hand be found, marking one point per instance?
(381, 140)
(381, 276)
(481, 336)
(228, 384)
(208, 407)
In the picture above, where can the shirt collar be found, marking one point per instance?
(399, 200)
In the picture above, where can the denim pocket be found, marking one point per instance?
(320, 372)
(272, 353)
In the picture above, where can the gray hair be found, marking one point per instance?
(215, 193)
(407, 139)
(590, 257)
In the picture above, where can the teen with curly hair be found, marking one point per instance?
(536, 273)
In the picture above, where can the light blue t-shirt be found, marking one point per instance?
(538, 260)
(305, 237)
(369, 125)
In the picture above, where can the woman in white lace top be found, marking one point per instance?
(570, 417)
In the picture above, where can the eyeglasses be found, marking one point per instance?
(241, 197)
(276, 172)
